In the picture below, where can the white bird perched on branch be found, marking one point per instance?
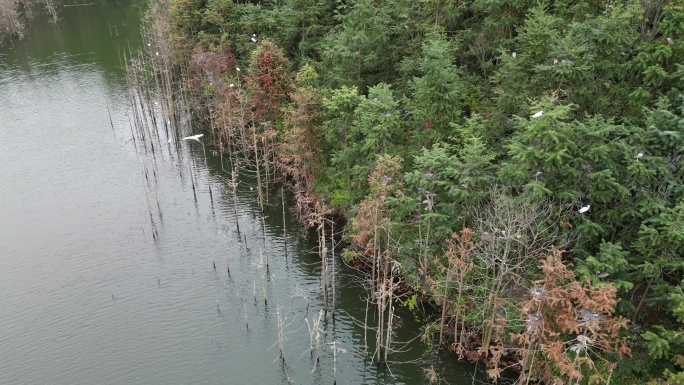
(194, 137)
(639, 156)
(538, 114)
(584, 209)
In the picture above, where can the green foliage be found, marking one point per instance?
(610, 261)
(657, 346)
(349, 255)
(437, 93)
(365, 43)
(412, 301)
(451, 88)
(373, 127)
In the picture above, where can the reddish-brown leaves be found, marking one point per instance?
(269, 81)
(573, 325)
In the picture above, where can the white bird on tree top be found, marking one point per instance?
(639, 156)
(584, 209)
(538, 114)
(194, 137)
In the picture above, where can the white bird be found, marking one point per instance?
(157, 53)
(231, 85)
(584, 209)
(538, 114)
(254, 40)
(639, 156)
(237, 69)
(194, 137)
(514, 54)
(148, 44)
(670, 40)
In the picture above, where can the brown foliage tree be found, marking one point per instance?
(569, 328)
(269, 81)
(459, 261)
(298, 145)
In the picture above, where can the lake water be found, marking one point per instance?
(89, 296)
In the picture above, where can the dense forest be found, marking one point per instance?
(516, 163)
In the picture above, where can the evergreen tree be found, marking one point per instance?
(437, 95)
(376, 129)
(360, 51)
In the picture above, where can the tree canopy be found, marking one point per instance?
(515, 129)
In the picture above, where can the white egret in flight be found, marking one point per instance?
(194, 137)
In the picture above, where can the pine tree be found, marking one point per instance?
(360, 51)
(437, 93)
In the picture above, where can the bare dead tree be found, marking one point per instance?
(515, 234)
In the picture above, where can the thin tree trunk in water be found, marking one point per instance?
(390, 314)
(263, 222)
(444, 308)
(324, 265)
(192, 179)
(282, 198)
(488, 325)
(266, 162)
(234, 183)
(458, 309)
(334, 363)
(381, 320)
(258, 170)
(281, 335)
(332, 244)
(365, 329)
(263, 278)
